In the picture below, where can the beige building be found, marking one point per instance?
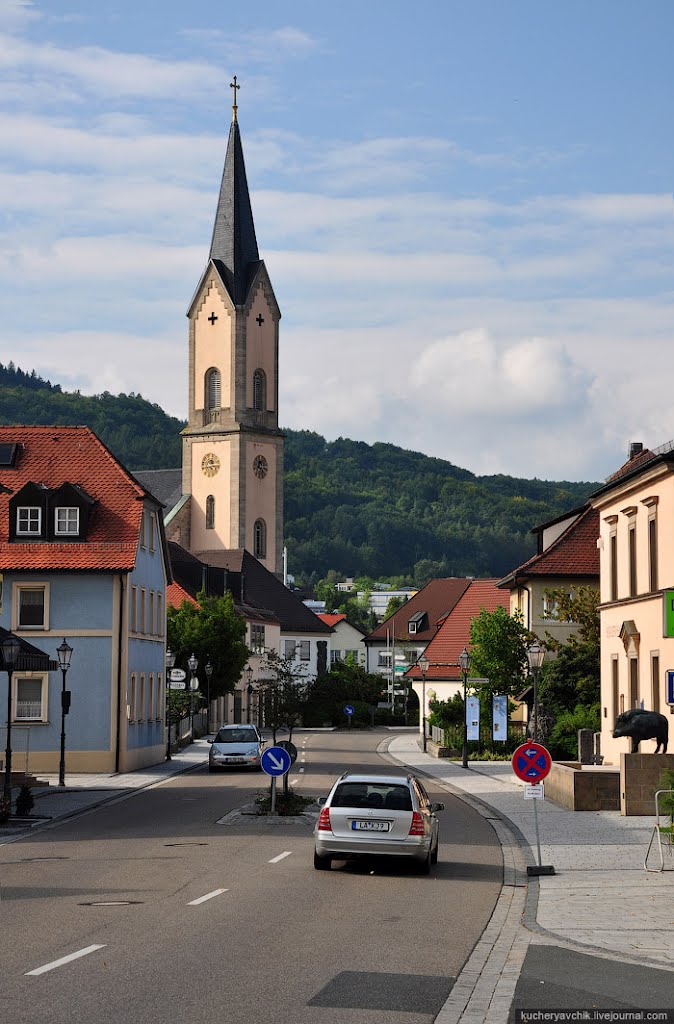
(229, 495)
(566, 558)
(636, 512)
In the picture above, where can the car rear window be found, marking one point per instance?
(236, 736)
(375, 794)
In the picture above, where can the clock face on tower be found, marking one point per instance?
(260, 467)
(210, 464)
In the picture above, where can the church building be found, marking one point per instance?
(226, 503)
(230, 492)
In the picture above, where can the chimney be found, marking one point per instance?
(634, 448)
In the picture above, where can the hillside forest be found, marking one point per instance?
(358, 509)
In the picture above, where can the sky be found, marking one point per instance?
(465, 210)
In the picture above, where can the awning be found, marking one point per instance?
(30, 659)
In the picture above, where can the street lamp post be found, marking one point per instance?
(535, 654)
(170, 662)
(249, 691)
(464, 665)
(10, 652)
(208, 669)
(423, 663)
(65, 653)
(193, 665)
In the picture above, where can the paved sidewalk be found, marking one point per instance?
(600, 900)
(83, 792)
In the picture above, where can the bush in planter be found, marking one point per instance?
(25, 801)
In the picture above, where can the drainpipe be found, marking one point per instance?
(120, 634)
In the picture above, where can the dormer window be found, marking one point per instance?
(28, 521)
(66, 522)
(416, 623)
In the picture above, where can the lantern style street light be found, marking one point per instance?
(193, 665)
(535, 655)
(464, 665)
(10, 652)
(208, 669)
(170, 662)
(65, 653)
(249, 691)
(423, 664)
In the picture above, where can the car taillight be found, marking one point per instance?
(324, 820)
(417, 826)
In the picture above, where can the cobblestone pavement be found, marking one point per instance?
(600, 899)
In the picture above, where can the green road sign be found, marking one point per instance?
(668, 613)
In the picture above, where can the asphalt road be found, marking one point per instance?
(231, 923)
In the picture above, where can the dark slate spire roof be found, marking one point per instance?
(234, 246)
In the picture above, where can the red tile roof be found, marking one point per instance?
(175, 595)
(53, 456)
(573, 553)
(331, 620)
(436, 599)
(454, 634)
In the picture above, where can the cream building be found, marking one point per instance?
(232, 465)
(636, 512)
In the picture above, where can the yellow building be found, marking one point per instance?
(636, 513)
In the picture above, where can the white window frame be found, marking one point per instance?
(58, 530)
(159, 702)
(132, 697)
(304, 650)
(142, 628)
(16, 605)
(133, 609)
(150, 697)
(288, 653)
(153, 531)
(160, 613)
(257, 637)
(35, 532)
(151, 624)
(43, 678)
(141, 699)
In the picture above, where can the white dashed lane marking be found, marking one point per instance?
(64, 960)
(275, 860)
(208, 896)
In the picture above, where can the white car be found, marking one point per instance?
(377, 815)
(236, 746)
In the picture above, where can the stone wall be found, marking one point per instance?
(583, 789)
(639, 779)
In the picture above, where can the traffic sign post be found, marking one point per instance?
(274, 762)
(349, 711)
(532, 763)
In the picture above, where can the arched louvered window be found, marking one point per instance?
(210, 512)
(259, 391)
(260, 539)
(213, 389)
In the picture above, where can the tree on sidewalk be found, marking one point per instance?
(498, 645)
(213, 631)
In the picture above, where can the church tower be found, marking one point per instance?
(232, 445)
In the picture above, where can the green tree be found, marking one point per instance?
(499, 644)
(572, 677)
(213, 631)
(343, 684)
(579, 606)
(283, 690)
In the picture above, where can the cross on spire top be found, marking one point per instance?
(234, 86)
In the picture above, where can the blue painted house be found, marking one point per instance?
(82, 557)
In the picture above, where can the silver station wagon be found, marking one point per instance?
(377, 816)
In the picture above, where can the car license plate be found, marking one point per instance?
(370, 826)
(234, 760)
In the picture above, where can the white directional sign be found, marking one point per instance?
(275, 761)
(177, 675)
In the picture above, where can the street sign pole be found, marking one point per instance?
(531, 763)
(272, 808)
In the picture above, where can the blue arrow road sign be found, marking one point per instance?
(349, 709)
(275, 761)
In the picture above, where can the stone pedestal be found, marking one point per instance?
(639, 779)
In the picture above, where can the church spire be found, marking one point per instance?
(234, 245)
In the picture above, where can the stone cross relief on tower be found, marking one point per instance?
(232, 445)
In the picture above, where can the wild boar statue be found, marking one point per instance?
(643, 725)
